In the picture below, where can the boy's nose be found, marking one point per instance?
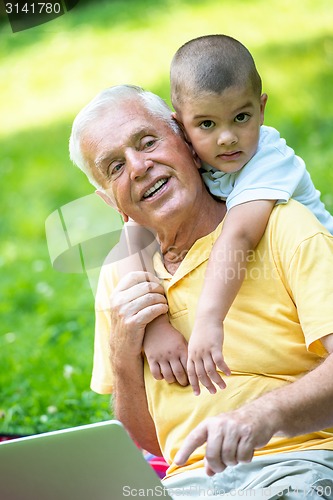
(226, 138)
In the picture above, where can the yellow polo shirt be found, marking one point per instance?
(272, 330)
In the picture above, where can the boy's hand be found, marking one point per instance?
(205, 356)
(166, 351)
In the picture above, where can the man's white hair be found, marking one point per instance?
(154, 104)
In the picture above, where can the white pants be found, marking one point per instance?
(292, 476)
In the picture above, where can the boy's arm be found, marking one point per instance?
(242, 230)
(166, 351)
(138, 245)
(164, 346)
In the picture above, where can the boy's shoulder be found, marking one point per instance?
(270, 136)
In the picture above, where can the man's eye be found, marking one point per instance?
(146, 144)
(206, 124)
(150, 143)
(115, 168)
(242, 118)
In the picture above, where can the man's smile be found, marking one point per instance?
(157, 186)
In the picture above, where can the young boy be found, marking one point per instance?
(217, 95)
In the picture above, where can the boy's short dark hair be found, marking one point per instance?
(211, 63)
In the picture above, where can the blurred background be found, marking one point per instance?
(47, 73)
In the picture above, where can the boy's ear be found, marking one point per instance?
(196, 158)
(263, 102)
(187, 140)
(107, 199)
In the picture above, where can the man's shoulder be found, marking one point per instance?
(296, 221)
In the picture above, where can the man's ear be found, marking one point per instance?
(107, 199)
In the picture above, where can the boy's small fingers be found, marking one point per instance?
(205, 371)
(221, 384)
(222, 365)
(167, 373)
(192, 377)
(156, 372)
(179, 373)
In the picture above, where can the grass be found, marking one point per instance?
(46, 75)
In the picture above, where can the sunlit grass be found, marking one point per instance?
(51, 79)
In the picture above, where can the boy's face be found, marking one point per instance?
(224, 128)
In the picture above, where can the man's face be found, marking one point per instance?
(224, 128)
(147, 168)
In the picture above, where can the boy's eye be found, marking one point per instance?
(242, 118)
(206, 124)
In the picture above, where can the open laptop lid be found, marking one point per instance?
(91, 462)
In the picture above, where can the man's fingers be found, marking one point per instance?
(149, 313)
(214, 457)
(208, 469)
(229, 448)
(195, 439)
(138, 300)
(135, 278)
(245, 449)
(133, 286)
(136, 291)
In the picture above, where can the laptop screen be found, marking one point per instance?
(91, 462)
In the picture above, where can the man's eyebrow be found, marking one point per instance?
(100, 160)
(133, 138)
(141, 132)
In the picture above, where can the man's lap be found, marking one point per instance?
(292, 476)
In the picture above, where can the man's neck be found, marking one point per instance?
(175, 244)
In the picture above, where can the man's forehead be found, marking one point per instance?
(129, 121)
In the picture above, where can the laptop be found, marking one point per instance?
(91, 462)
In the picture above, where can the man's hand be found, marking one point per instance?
(205, 356)
(166, 351)
(136, 301)
(231, 438)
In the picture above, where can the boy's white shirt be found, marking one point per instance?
(273, 173)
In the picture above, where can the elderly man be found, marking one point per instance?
(272, 425)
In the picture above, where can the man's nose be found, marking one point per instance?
(227, 138)
(138, 164)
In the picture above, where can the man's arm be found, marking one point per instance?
(134, 303)
(302, 407)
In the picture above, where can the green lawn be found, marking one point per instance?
(46, 75)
